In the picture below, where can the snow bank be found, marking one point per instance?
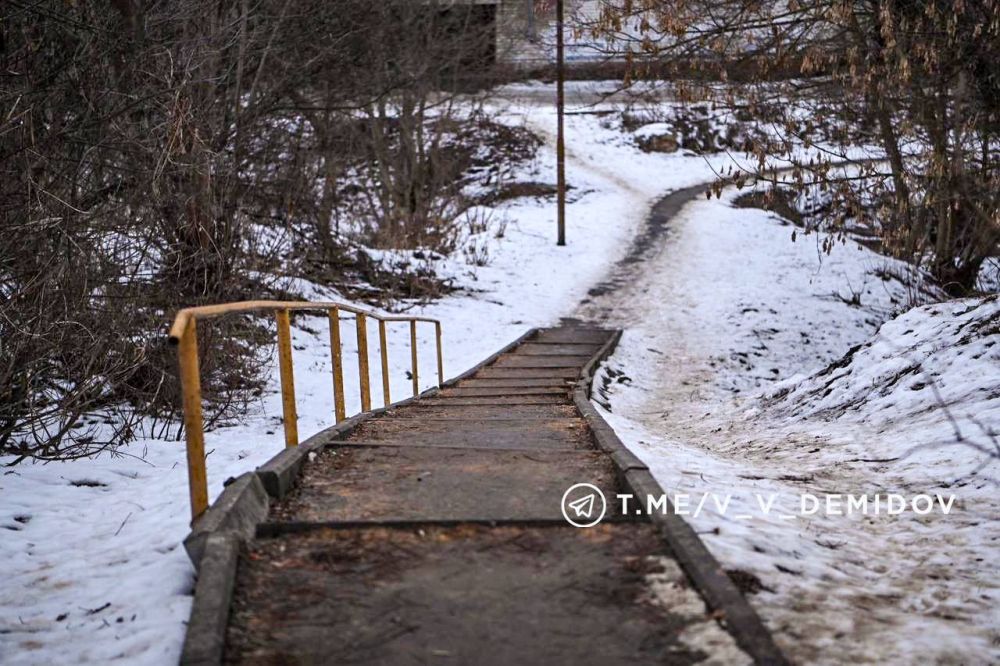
(727, 384)
(929, 377)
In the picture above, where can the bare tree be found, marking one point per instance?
(156, 154)
(916, 79)
(138, 153)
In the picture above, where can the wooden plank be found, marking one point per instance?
(502, 391)
(421, 483)
(458, 401)
(492, 596)
(551, 374)
(502, 382)
(525, 361)
(567, 433)
(507, 412)
(557, 349)
(573, 336)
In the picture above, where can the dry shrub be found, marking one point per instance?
(916, 80)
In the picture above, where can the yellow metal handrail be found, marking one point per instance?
(183, 333)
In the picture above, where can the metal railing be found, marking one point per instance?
(184, 334)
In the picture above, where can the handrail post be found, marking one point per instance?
(187, 357)
(437, 333)
(413, 356)
(340, 411)
(183, 332)
(366, 394)
(385, 363)
(287, 378)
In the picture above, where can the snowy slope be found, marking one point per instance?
(926, 382)
(720, 384)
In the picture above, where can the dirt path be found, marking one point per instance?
(640, 294)
(606, 297)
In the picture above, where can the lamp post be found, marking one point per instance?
(560, 138)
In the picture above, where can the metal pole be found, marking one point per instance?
(187, 355)
(560, 138)
(366, 394)
(437, 334)
(287, 378)
(340, 411)
(413, 357)
(384, 352)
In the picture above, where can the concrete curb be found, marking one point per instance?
(701, 567)
(606, 438)
(205, 639)
(278, 474)
(237, 511)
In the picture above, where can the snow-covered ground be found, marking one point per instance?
(721, 385)
(94, 568)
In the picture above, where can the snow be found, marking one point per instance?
(726, 311)
(670, 589)
(652, 130)
(933, 361)
(96, 573)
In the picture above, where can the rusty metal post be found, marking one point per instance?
(287, 378)
(339, 409)
(437, 333)
(187, 357)
(413, 357)
(366, 394)
(560, 135)
(384, 352)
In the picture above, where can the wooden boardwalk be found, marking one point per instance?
(433, 533)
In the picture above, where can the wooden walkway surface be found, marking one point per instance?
(434, 533)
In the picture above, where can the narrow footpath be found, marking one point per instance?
(434, 532)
